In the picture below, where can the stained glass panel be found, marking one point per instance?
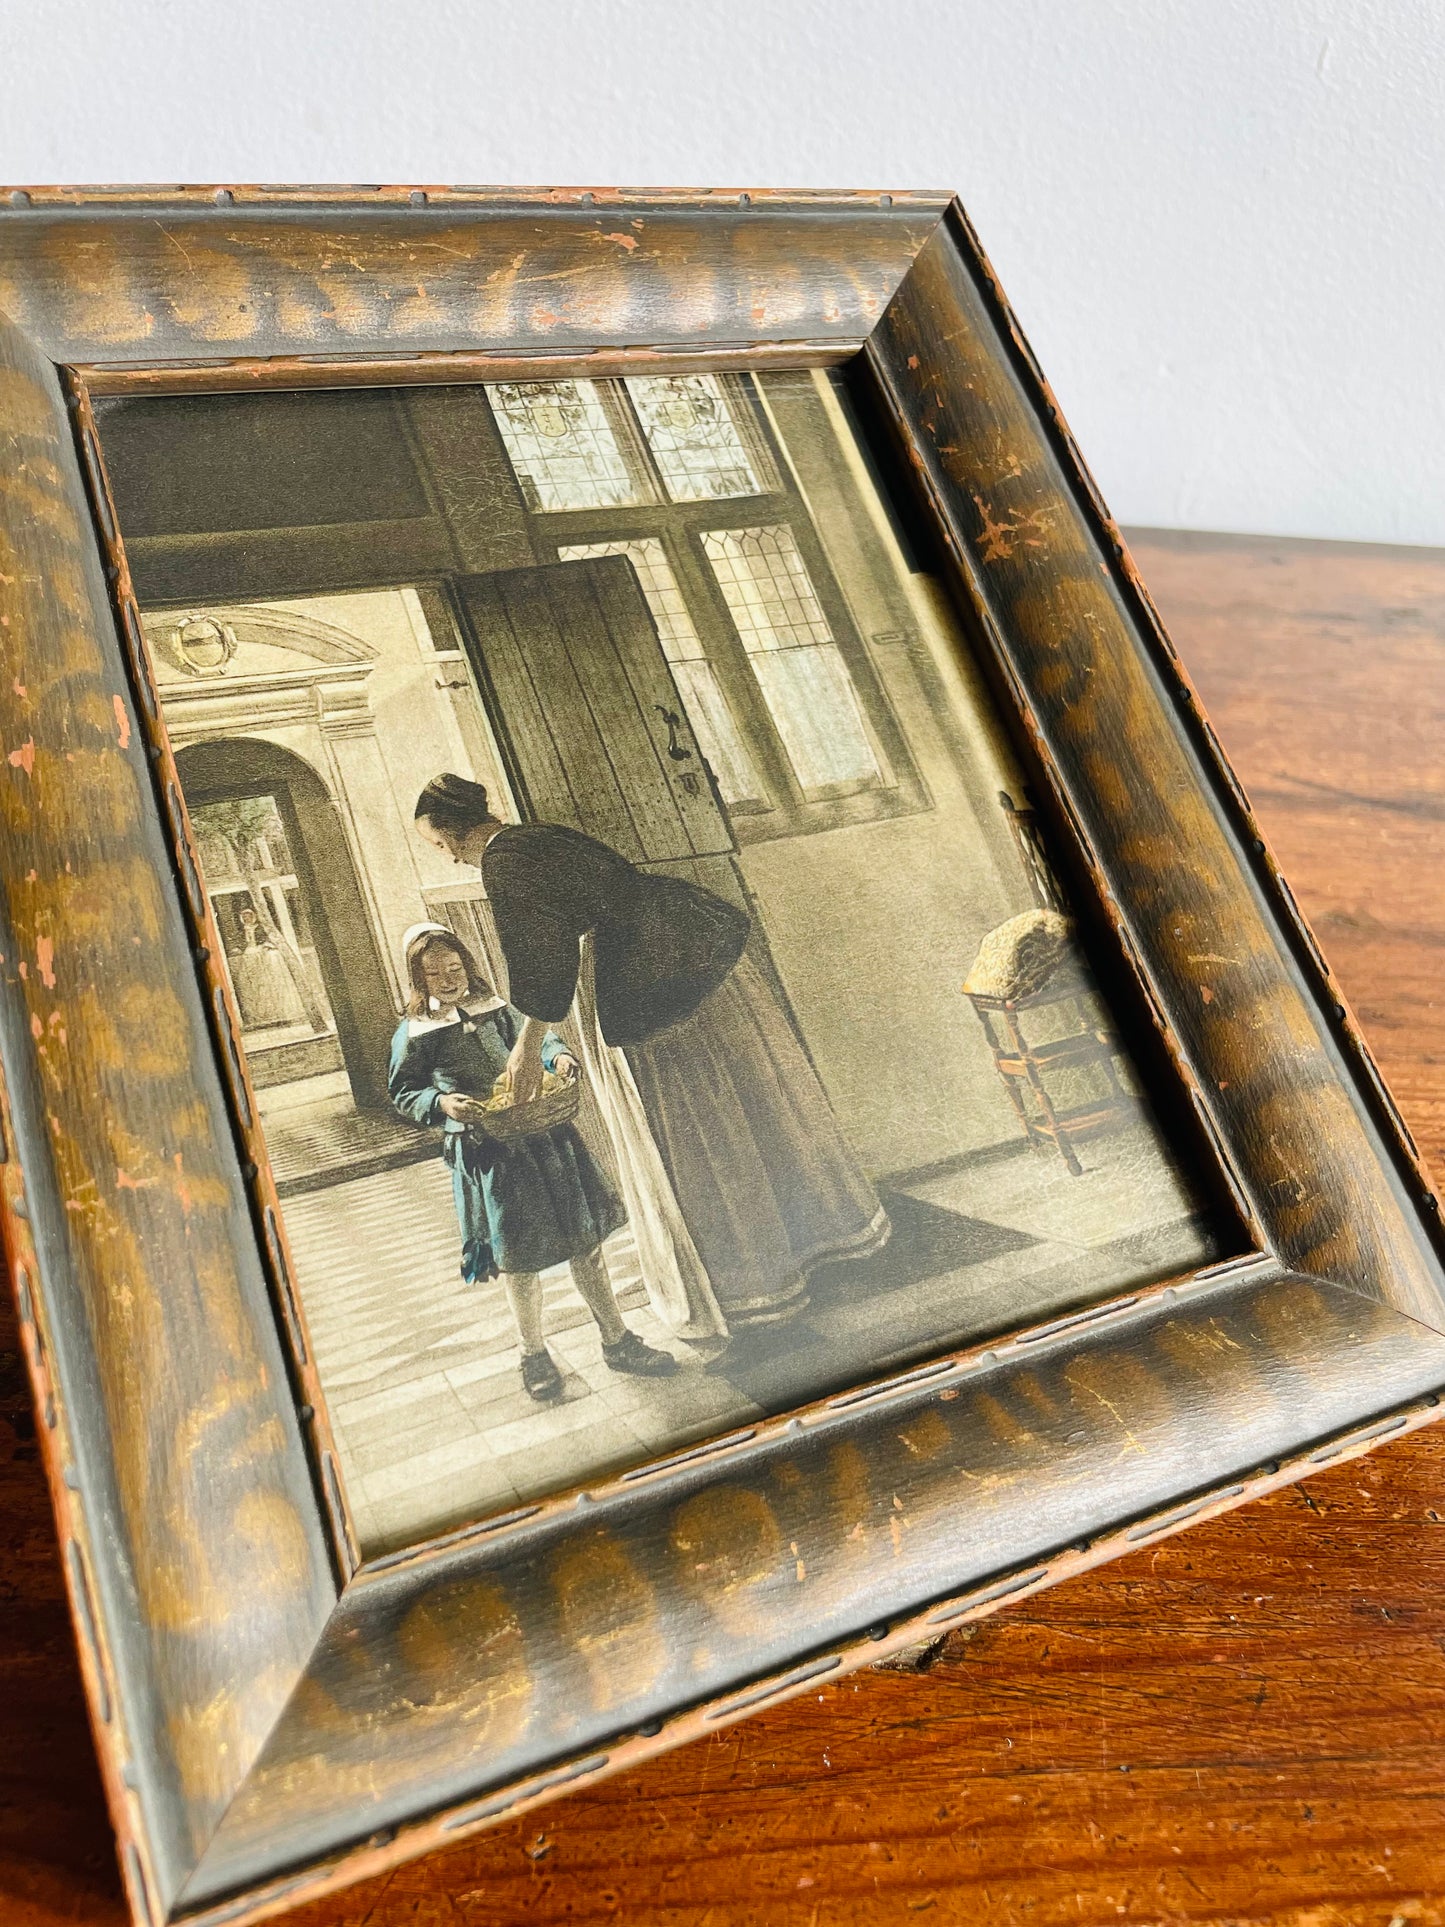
(562, 445)
(695, 442)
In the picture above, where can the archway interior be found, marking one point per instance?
(308, 979)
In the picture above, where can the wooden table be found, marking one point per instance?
(1245, 1724)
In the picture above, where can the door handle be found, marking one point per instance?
(674, 722)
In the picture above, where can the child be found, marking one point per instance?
(523, 1204)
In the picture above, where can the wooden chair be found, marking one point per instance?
(1025, 1062)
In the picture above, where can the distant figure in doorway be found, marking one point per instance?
(762, 1175)
(524, 1204)
(264, 990)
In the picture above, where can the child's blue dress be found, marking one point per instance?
(524, 1205)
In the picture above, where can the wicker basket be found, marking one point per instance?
(542, 1113)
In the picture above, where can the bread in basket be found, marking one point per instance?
(556, 1103)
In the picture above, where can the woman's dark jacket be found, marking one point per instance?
(661, 943)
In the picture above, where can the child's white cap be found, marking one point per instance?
(424, 930)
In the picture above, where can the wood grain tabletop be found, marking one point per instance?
(1245, 1724)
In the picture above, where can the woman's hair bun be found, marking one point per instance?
(454, 804)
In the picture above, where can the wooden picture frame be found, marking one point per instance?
(275, 1718)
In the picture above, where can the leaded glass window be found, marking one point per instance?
(564, 449)
(755, 629)
(800, 669)
(713, 722)
(695, 440)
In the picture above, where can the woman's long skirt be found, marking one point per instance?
(764, 1177)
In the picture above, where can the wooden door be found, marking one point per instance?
(583, 701)
(580, 689)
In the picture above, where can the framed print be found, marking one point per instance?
(648, 1049)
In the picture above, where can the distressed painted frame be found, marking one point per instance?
(272, 1718)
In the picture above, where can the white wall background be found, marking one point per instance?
(1220, 220)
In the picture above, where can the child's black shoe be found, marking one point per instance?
(541, 1377)
(632, 1354)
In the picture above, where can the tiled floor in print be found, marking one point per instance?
(420, 1370)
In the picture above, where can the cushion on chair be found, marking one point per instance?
(1018, 958)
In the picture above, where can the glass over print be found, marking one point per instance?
(661, 1005)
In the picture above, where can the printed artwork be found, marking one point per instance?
(661, 1005)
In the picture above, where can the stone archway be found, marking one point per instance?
(237, 767)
